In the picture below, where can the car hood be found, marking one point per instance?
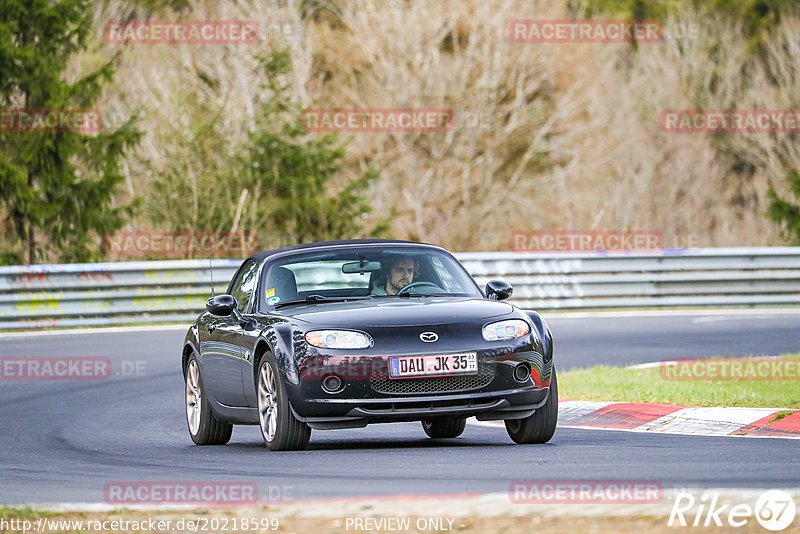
(415, 311)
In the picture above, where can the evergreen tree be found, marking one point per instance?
(56, 187)
(785, 212)
(294, 169)
(280, 185)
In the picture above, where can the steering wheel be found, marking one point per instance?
(413, 285)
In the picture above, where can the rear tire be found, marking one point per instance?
(279, 427)
(539, 427)
(204, 428)
(444, 427)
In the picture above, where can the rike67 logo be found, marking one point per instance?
(774, 510)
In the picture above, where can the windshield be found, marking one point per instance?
(368, 272)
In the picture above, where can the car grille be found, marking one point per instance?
(381, 382)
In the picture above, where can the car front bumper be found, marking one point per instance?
(485, 406)
(368, 395)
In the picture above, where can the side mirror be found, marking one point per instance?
(498, 290)
(222, 305)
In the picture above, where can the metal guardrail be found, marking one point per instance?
(91, 294)
(712, 277)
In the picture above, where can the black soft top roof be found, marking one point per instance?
(307, 246)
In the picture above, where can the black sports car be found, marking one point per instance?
(340, 334)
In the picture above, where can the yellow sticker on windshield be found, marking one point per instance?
(270, 292)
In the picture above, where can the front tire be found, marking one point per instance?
(279, 427)
(444, 427)
(204, 428)
(539, 427)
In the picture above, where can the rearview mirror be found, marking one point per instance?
(361, 267)
(221, 305)
(498, 290)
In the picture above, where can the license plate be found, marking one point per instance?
(433, 365)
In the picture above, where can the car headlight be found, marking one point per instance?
(502, 330)
(338, 339)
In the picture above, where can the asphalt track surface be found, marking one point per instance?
(63, 441)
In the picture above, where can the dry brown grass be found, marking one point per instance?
(567, 135)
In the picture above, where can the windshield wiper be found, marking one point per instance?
(313, 299)
(412, 294)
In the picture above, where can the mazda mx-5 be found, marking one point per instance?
(342, 334)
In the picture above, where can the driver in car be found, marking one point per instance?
(401, 271)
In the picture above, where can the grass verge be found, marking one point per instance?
(689, 386)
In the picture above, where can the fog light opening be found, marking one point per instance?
(522, 372)
(332, 384)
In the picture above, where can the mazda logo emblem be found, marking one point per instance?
(428, 337)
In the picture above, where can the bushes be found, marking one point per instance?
(274, 183)
(546, 136)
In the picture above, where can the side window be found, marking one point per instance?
(244, 284)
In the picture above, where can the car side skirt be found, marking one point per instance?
(232, 414)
